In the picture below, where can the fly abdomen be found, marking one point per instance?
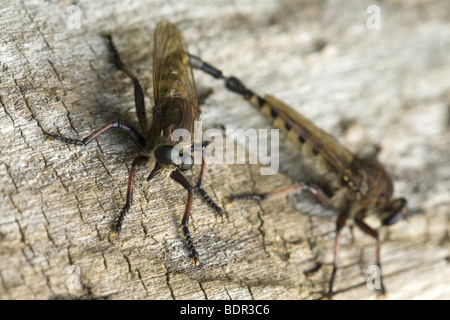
(295, 132)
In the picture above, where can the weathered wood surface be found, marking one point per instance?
(386, 87)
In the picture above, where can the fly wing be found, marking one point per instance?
(321, 142)
(174, 87)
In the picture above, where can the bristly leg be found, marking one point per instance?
(181, 179)
(206, 198)
(340, 223)
(139, 161)
(138, 92)
(314, 190)
(139, 102)
(51, 137)
(212, 204)
(116, 124)
(374, 234)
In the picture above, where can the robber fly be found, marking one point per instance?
(175, 108)
(356, 188)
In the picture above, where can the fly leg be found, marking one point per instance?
(116, 124)
(313, 189)
(139, 101)
(374, 234)
(138, 92)
(139, 161)
(205, 196)
(340, 223)
(180, 178)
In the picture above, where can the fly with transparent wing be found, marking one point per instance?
(176, 109)
(356, 188)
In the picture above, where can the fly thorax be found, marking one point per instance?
(341, 199)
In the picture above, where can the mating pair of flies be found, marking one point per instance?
(356, 188)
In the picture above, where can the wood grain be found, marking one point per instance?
(385, 89)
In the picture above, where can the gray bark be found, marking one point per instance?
(382, 88)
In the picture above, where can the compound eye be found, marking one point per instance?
(163, 154)
(399, 210)
(188, 162)
(393, 218)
